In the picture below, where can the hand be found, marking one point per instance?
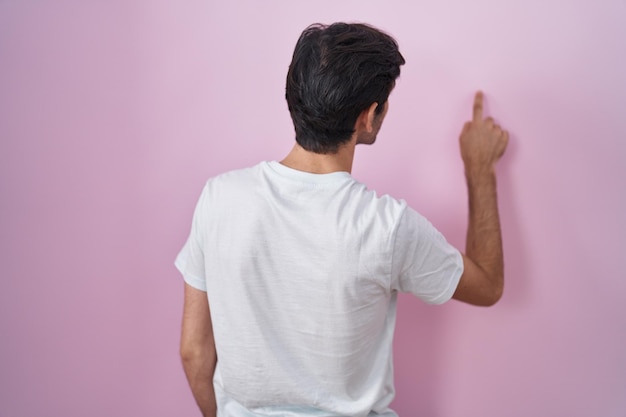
(482, 141)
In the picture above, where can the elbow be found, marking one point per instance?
(490, 294)
(496, 292)
(186, 353)
(479, 287)
(191, 353)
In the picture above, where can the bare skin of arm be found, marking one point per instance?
(197, 349)
(482, 144)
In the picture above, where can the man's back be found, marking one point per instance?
(301, 272)
(292, 268)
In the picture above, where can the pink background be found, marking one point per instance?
(114, 113)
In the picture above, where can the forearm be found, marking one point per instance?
(484, 236)
(199, 369)
(482, 144)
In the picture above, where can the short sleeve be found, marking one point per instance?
(190, 260)
(423, 262)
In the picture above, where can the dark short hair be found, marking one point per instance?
(337, 71)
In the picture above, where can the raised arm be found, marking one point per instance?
(197, 349)
(482, 144)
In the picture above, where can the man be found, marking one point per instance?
(292, 268)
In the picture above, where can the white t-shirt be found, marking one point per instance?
(301, 272)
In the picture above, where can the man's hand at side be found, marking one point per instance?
(197, 349)
(482, 144)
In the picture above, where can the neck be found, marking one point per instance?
(303, 160)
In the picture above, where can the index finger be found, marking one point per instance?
(478, 107)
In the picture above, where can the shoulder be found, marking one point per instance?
(230, 187)
(383, 210)
(234, 180)
(241, 175)
(383, 204)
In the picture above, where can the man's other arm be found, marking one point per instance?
(197, 349)
(482, 144)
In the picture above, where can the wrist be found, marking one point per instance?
(477, 173)
(481, 181)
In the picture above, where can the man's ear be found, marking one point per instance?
(367, 117)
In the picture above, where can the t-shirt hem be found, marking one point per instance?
(195, 282)
(447, 294)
